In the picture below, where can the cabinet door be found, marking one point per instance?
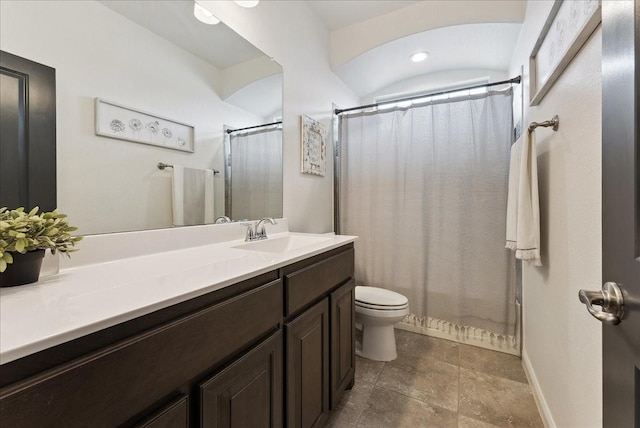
(342, 308)
(175, 415)
(307, 365)
(248, 393)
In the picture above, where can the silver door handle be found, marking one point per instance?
(611, 300)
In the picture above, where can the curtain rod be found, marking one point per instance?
(432, 94)
(229, 131)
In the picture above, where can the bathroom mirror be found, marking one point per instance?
(151, 57)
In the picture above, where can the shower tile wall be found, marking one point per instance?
(438, 383)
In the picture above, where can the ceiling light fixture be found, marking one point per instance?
(419, 56)
(203, 15)
(247, 3)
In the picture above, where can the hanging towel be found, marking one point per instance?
(523, 205)
(192, 191)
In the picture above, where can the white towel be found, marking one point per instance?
(192, 191)
(523, 205)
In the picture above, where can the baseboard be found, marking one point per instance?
(543, 408)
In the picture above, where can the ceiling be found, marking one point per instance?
(339, 14)
(460, 47)
(173, 20)
(473, 46)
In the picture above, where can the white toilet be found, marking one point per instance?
(377, 310)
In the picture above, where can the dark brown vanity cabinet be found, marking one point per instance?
(174, 415)
(343, 321)
(248, 393)
(135, 377)
(319, 333)
(308, 368)
(272, 351)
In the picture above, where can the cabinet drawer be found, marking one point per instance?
(306, 285)
(108, 387)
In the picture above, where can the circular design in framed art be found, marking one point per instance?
(153, 127)
(117, 125)
(135, 124)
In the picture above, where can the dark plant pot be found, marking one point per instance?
(25, 269)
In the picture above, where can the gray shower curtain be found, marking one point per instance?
(256, 174)
(425, 188)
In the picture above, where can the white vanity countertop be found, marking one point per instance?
(85, 299)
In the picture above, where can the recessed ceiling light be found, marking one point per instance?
(247, 3)
(419, 56)
(203, 15)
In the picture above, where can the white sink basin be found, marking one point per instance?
(283, 244)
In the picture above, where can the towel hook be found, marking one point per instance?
(553, 123)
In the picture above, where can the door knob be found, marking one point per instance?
(610, 299)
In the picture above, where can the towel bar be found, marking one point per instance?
(162, 165)
(554, 123)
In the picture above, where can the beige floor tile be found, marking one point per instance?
(356, 400)
(388, 409)
(367, 370)
(343, 417)
(492, 362)
(467, 422)
(418, 347)
(438, 385)
(498, 401)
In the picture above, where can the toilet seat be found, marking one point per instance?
(381, 307)
(380, 299)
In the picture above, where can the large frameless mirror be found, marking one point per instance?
(153, 59)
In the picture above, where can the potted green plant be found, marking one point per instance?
(24, 238)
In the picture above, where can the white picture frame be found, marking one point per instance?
(568, 27)
(314, 147)
(125, 123)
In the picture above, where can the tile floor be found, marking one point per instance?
(438, 383)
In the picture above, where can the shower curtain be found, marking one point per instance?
(256, 174)
(425, 188)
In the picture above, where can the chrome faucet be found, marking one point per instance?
(250, 235)
(261, 231)
(222, 219)
(257, 231)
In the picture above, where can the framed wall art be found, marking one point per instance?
(124, 123)
(569, 25)
(314, 146)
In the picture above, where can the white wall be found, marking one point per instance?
(562, 343)
(108, 185)
(291, 33)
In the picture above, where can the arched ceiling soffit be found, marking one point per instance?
(353, 40)
(454, 48)
(263, 97)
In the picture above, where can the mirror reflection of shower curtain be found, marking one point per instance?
(256, 174)
(425, 188)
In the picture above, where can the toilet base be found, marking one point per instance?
(378, 343)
